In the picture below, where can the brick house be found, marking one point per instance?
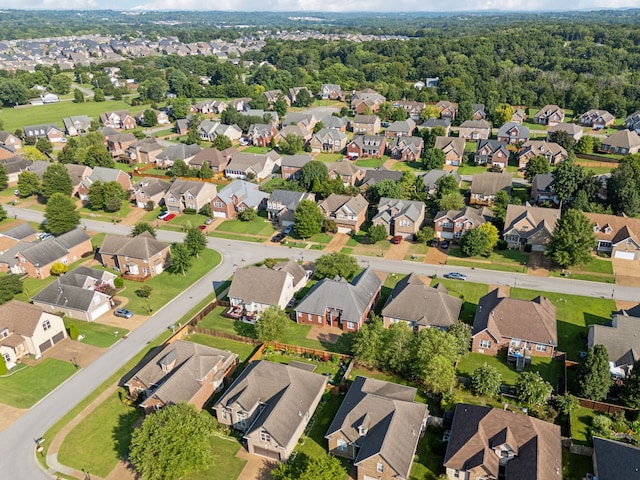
(400, 217)
(474, 130)
(49, 131)
(252, 165)
(492, 152)
(144, 151)
(407, 149)
(260, 134)
(282, 204)
(452, 224)
(366, 99)
(290, 165)
(534, 148)
(119, 143)
(453, 148)
(10, 142)
(524, 328)
(543, 189)
(527, 225)
(346, 172)
(103, 175)
(337, 303)
(378, 426)
(150, 190)
(189, 194)
(447, 109)
(624, 142)
(618, 236)
(328, 140)
(400, 128)
(349, 213)
(364, 146)
(513, 132)
(485, 186)
(330, 91)
(236, 197)
(549, 115)
(120, 119)
(216, 159)
(597, 119)
(366, 125)
(140, 257)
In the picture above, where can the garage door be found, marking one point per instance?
(219, 215)
(58, 337)
(625, 255)
(45, 346)
(344, 230)
(263, 452)
(102, 309)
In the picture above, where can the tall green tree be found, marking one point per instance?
(273, 325)
(60, 84)
(221, 142)
(172, 443)
(451, 201)
(564, 139)
(205, 171)
(78, 96)
(445, 185)
(311, 173)
(150, 118)
(44, 145)
(368, 343)
(141, 227)
(28, 184)
(308, 219)
(180, 260)
(480, 240)
(377, 233)
(594, 377)
(462, 335)
(10, 286)
(622, 190)
(61, 214)
(568, 177)
(291, 144)
(631, 389)
(531, 389)
(195, 241)
(438, 375)
(4, 177)
(385, 188)
(397, 348)
(538, 164)
(56, 179)
(572, 240)
(324, 467)
(486, 380)
(433, 158)
(502, 114)
(334, 264)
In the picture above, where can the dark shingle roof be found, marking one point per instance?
(142, 246)
(615, 460)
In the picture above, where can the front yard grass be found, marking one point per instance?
(408, 166)
(225, 463)
(259, 226)
(595, 270)
(329, 157)
(473, 170)
(370, 162)
(469, 292)
(486, 265)
(96, 334)
(387, 287)
(27, 386)
(183, 220)
(574, 313)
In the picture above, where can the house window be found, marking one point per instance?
(224, 414)
(241, 418)
(485, 344)
(218, 205)
(145, 271)
(515, 342)
(46, 325)
(342, 445)
(541, 348)
(351, 325)
(6, 357)
(380, 467)
(265, 437)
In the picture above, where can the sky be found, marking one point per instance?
(329, 5)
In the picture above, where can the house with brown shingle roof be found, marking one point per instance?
(488, 443)
(527, 225)
(549, 115)
(420, 306)
(553, 152)
(367, 146)
(349, 213)
(346, 172)
(141, 256)
(216, 159)
(524, 328)
(624, 142)
(150, 189)
(453, 148)
(485, 187)
(452, 224)
(597, 119)
(474, 130)
(576, 131)
(617, 235)
(622, 341)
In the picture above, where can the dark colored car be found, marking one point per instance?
(445, 244)
(123, 312)
(434, 242)
(396, 240)
(278, 237)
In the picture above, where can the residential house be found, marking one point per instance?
(452, 224)
(271, 96)
(190, 194)
(622, 340)
(513, 133)
(543, 189)
(487, 442)
(290, 165)
(346, 172)
(76, 294)
(400, 128)
(534, 148)
(254, 289)
(78, 173)
(433, 122)
(51, 132)
(23, 232)
(182, 372)
(624, 142)
(282, 204)
(270, 116)
(474, 130)
(209, 130)
(180, 151)
(366, 99)
(14, 166)
(120, 119)
(549, 115)
(335, 123)
(430, 179)
(271, 404)
(614, 460)
(367, 146)
(338, 303)
(618, 236)
(524, 328)
(526, 225)
(412, 109)
(372, 177)
(330, 91)
(77, 125)
(103, 175)
(447, 109)
(304, 120)
(296, 130)
(407, 149)
(400, 217)
(575, 131)
(492, 153)
(252, 165)
(453, 148)
(35, 258)
(240, 104)
(26, 329)
(119, 143)
(597, 119)
(485, 186)
(182, 126)
(420, 306)
(519, 115)
(216, 159)
(149, 189)
(10, 142)
(349, 213)
(632, 122)
(139, 257)
(378, 427)
(366, 125)
(144, 151)
(328, 140)
(260, 134)
(479, 112)
(236, 197)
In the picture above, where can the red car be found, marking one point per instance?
(396, 240)
(169, 217)
(202, 227)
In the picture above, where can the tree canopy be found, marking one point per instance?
(336, 263)
(308, 219)
(56, 179)
(572, 240)
(273, 325)
(61, 214)
(594, 377)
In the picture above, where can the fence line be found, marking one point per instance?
(602, 406)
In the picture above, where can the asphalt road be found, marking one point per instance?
(17, 446)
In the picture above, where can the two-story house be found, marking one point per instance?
(290, 165)
(260, 134)
(328, 140)
(453, 148)
(189, 194)
(575, 131)
(349, 213)
(474, 130)
(367, 99)
(180, 151)
(400, 217)
(144, 151)
(282, 204)
(103, 175)
(549, 115)
(492, 153)
(236, 197)
(527, 225)
(452, 224)
(252, 165)
(447, 109)
(485, 186)
(366, 125)
(121, 119)
(363, 146)
(118, 143)
(346, 172)
(330, 91)
(543, 189)
(150, 189)
(619, 236)
(597, 119)
(139, 257)
(400, 128)
(76, 125)
(513, 132)
(534, 148)
(51, 132)
(407, 149)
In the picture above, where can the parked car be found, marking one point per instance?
(16, 192)
(163, 215)
(278, 237)
(288, 230)
(396, 240)
(445, 244)
(202, 228)
(123, 312)
(455, 276)
(43, 236)
(171, 216)
(434, 242)
(208, 221)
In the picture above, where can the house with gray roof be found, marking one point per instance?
(103, 175)
(252, 165)
(333, 122)
(24, 232)
(282, 204)
(614, 460)
(527, 225)
(139, 257)
(189, 194)
(150, 189)
(260, 134)
(575, 131)
(236, 197)
(430, 179)
(75, 294)
(144, 151)
(338, 303)
(400, 217)
(14, 166)
(543, 189)
(290, 165)
(349, 213)
(270, 116)
(346, 172)
(180, 151)
(50, 131)
(76, 125)
(216, 159)
(474, 130)
(549, 115)
(513, 132)
(433, 122)
(492, 153)
(304, 120)
(366, 125)
(182, 372)
(378, 426)
(485, 187)
(452, 224)
(367, 146)
(271, 404)
(372, 177)
(632, 122)
(400, 128)
(622, 340)
(624, 142)
(407, 149)
(419, 305)
(328, 140)
(254, 289)
(330, 91)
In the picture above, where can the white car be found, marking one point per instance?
(163, 215)
(455, 276)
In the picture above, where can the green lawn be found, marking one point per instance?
(183, 220)
(575, 466)
(321, 238)
(487, 266)
(472, 170)
(109, 427)
(96, 334)
(595, 270)
(370, 162)
(329, 157)
(387, 287)
(121, 214)
(259, 226)
(244, 350)
(408, 166)
(429, 456)
(575, 314)
(225, 464)
(26, 387)
(469, 292)
(321, 367)
(167, 286)
(256, 150)
(581, 425)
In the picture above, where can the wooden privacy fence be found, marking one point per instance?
(229, 336)
(312, 352)
(603, 407)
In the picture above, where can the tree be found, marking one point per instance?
(336, 264)
(78, 96)
(195, 241)
(500, 204)
(180, 259)
(107, 196)
(538, 164)
(273, 325)
(465, 111)
(385, 188)
(60, 84)
(97, 155)
(572, 240)
(280, 106)
(308, 219)
(180, 107)
(150, 118)
(303, 98)
(564, 139)
(248, 215)
(44, 145)
(4, 177)
(531, 389)
(631, 389)
(566, 403)
(433, 158)
(205, 171)
(3, 213)
(28, 184)
(96, 195)
(291, 144)
(377, 233)
(429, 111)
(311, 173)
(503, 113)
(172, 443)
(438, 375)
(585, 144)
(58, 268)
(221, 142)
(61, 214)
(445, 185)
(425, 235)
(462, 334)
(324, 467)
(10, 286)
(141, 227)
(396, 354)
(368, 343)
(451, 201)
(98, 95)
(622, 190)
(594, 377)
(13, 93)
(480, 240)
(486, 380)
(56, 179)
(568, 177)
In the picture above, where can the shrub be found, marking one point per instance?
(501, 245)
(73, 332)
(118, 282)
(3, 367)
(527, 248)
(58, 268)
(149, 206)
(189, 211)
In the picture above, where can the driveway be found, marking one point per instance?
(539, 265)
(74, 351)
(257, 468)
(436, 256)
(336, 244)
(626, 272)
